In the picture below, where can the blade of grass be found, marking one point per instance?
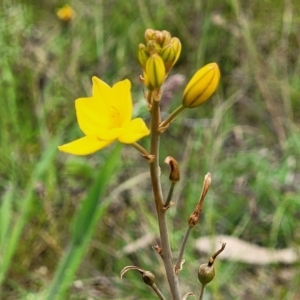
(82, 228)
(5, 217)
(11, 244)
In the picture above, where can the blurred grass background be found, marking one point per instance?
(247, 136)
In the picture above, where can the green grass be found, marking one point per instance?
(250, 146)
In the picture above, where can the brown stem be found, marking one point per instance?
(158, 292)
(182, 249)
(169, 198)
(143, 151)
(172, 116)
(159, 203)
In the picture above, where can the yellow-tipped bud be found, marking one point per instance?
(155, 70)
(143, 55)
(202, 85)
(168, 55)
(157, 36)
(153, 47)
(149, 34)
(166, 38)
(145, 81)
(177, 45)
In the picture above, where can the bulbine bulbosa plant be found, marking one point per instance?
(106, 116)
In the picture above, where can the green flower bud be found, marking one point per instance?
(202, 85)
(143, 55)
(155, 71)
(206, 273)
(168, 55)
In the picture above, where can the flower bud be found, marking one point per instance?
(177, 45)
(153, 47)
(202, 85)
(206, 273)
(166, 38)
(157, 36)
(149, 34)
(145, 80)
(168, 55)
(143, 55)
(155, 71)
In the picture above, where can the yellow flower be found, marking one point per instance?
(66, 13)
(104, 118)
(202, 85)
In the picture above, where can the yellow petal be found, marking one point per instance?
(134, 131)
(101, 90)
(91, 115)
(84, 146)
(109, 135)
(122, 102)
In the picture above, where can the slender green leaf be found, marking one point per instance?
(83, 225)
(12, 243)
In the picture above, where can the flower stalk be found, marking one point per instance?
(106, 117)
(159, 202)
(193, 219)
(171, 117)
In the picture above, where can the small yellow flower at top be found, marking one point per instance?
(202, 85)
(104, 118)
(66, 13)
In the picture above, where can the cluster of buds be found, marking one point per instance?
(157, 57)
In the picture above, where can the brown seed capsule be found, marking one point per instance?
(148, 277)
(206, 273)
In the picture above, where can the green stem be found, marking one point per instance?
(172, 116)
(158, 292)
(141, 149)
(182, 249)
(202, 291)
(159, 203)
